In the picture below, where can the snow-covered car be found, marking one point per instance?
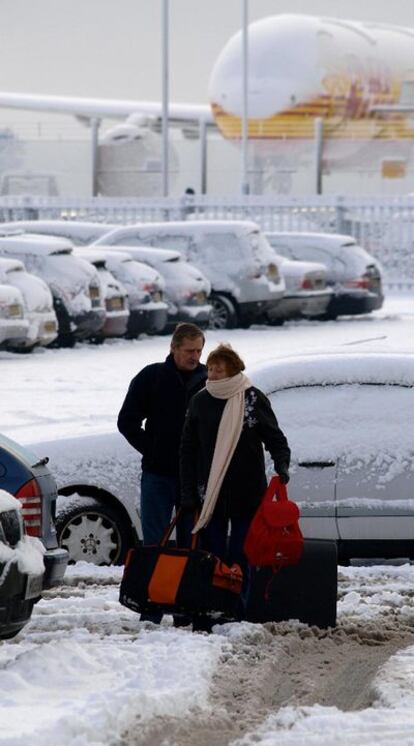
(38, 303)
(114, 294)
(98, 477)
(148, 312)
(233, 254)
(186, 287)
(349, 420)
(29, 480)
(14, 326)
(350, 423)
(74, 282)
(307, 294)
(354, 275)
(21, 568)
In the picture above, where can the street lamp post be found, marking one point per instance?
(165, 99)
(245, 117)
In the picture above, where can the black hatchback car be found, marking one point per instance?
(21, 568)
(29, 480)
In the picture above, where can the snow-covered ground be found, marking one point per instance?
(85, 671)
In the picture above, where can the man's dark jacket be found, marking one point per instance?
(160, 395)
(245, 480)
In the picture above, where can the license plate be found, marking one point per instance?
(50, 326)
(34, 586)
(115, 304)
(14, 310)
(94, 292)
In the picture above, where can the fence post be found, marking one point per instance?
(340, 212)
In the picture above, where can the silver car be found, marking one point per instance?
(349, 420)
(353, 274)
(38, 304)
(187, 289)
(14, 326)
(233, 254)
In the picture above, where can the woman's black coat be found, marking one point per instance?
(245, 481)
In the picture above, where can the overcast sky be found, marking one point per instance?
(111, 48)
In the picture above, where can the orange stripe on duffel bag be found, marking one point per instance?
(166, 579)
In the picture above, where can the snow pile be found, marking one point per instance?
(28, 553)
(8, 502)
(93, 689)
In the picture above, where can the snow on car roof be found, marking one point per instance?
(146, 252)
(109, 252)
(35, 243)
(10, 294)
(337, 239)
(192, 226)
(10, 265)
(91, 255)
(331, 369)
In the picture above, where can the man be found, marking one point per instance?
(160, 394)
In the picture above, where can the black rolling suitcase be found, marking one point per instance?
(306, 591)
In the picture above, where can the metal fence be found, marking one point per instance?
(384, 226)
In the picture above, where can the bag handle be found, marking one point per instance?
(171, 527)
(276, 487)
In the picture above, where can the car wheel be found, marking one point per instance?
(331, 316)
(223, 315)
(276, 321)
(92, 531)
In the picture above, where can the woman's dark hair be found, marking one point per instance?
(225, 354)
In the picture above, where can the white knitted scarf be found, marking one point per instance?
(228, 435)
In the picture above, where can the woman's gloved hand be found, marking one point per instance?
(283, 472)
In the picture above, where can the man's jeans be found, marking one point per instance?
(159, 496)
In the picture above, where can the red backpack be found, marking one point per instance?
(274, 538)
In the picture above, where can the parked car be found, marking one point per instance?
(306, 292)
(349, 419)
(354, 275)
(234, 255)
(29, 480)
(114, 294)
(187, 289)
(148, 312)
(350, 423)
(98, 477)
(14, 326)
(21, 568)
(38, 304)
(74, 282)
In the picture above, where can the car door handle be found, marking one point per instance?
(42, 462)
(317, 464)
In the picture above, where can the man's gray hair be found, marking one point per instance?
(186, 331)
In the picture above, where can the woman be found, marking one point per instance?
(222, 468)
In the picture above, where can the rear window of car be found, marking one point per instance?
(348, 421)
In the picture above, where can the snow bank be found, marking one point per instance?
(8, 502)
(101, 687)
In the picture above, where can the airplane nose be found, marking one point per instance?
(282, 72)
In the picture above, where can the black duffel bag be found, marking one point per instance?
(169, 580)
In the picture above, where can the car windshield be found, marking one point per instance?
(351, 421)
(262, 249)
